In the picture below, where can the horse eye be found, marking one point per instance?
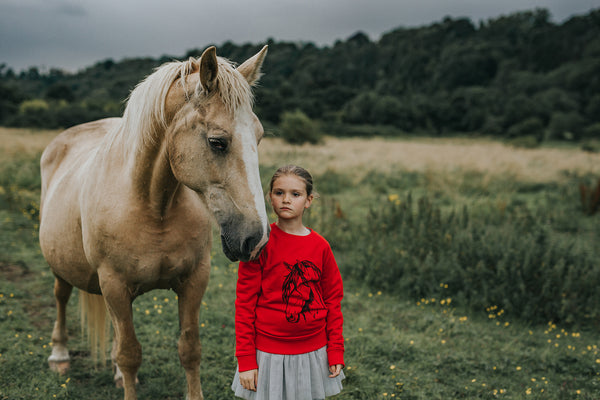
(218, 144)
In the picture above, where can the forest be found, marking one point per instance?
(517, 76)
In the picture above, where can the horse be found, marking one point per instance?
(127, 204)
(298, 291)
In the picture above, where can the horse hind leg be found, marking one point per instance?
(59, 359)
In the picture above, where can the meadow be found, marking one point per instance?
(470, 271)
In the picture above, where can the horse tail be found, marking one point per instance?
(94, 320)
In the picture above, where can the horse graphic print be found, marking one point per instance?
(301, 291)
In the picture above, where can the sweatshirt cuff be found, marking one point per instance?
(336, 357)
(246, 363)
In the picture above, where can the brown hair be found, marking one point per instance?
(297, 171)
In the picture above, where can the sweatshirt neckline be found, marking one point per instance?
(276, 227)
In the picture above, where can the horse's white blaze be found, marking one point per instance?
(250, 158)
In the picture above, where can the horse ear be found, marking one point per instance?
(209, 69)
(250, 69)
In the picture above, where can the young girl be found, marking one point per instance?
(288, 319)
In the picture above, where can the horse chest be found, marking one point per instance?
(152, 253)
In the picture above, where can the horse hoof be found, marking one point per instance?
(119, 382)
(59, 366)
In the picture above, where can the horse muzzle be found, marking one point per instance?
(243, 243)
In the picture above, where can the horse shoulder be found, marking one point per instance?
(71, 143)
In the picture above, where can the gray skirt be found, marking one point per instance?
(291, 377)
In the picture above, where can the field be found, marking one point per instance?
(416, 225)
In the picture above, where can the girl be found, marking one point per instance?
(288, 318)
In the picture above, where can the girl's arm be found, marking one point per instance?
(247, 290)
(333, 292)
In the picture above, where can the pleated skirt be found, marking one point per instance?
(291, 377)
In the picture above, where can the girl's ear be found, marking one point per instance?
(309, 200)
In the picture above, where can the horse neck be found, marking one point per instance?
(148, 167)
(152, 178)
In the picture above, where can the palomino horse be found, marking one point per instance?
(126, 202)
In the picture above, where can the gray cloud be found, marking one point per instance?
(72, 35)
(70, 9)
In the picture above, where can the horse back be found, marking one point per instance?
(69, 147)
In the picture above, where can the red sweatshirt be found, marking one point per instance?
(288, 301)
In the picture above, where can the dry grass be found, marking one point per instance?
(28, 141)
(432, 155)
(360, 155)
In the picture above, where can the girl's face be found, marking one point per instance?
(289, 198)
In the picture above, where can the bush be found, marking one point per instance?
(513, 257)
(526, 142)
(592, 131)
(297, 128)
(529, 127)
(567, 126)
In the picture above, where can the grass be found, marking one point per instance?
(397, 348)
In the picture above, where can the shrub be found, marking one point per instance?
(332, 182)
(530, 127)
(515, 258)
(526, 142)
(565, 126)
(297, 128)
(592, 131)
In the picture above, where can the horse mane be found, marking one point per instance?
(144, 116)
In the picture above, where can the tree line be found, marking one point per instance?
(517, 75)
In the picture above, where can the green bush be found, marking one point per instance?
(532, 127)
(515, 257)
(332, 182)
(565, 125)
(297, 128)
(592, 131)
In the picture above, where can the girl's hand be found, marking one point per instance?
(335, 370)
(248, 379)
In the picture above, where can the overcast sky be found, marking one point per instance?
(73, 34)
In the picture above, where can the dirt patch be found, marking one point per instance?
(14, 272)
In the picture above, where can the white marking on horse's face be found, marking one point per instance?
(246, 128)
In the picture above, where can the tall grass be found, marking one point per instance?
(536, 256)
(451, 283)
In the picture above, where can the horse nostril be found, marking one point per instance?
(249, 244)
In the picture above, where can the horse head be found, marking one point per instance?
(301, 282)
(212, 137)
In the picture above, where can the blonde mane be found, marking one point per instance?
(144, 116)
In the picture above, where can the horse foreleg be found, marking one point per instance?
(128, 352)
(189, 348)
(59, 358)
(118, 378)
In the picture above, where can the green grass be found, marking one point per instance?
(395, 348)
(398, 347)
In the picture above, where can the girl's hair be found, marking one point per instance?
(297, 171)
